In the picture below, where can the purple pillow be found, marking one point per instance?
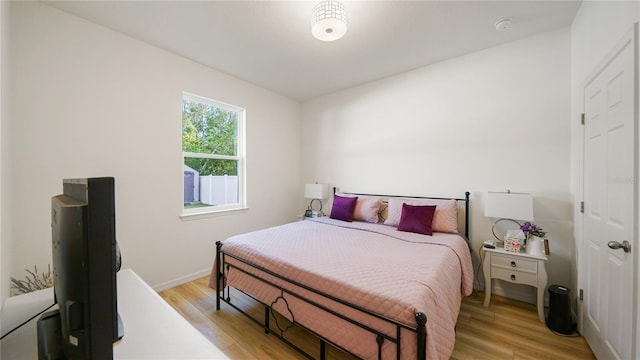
(417, 219)
(343, 208)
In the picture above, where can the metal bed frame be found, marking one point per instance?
(223, 294)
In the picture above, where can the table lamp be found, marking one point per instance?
(316, 192)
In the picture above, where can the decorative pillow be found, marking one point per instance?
(367, 209)
(417, 218)
(394, 210)
(382, 213)
(446, 216)
(343, 208)
(444, 220)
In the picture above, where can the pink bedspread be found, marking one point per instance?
(392, 273)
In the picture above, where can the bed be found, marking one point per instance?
(367, 288)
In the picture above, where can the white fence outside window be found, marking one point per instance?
(218, 190)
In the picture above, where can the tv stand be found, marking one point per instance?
(50, 336)
(153, 329)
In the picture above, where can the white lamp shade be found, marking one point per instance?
(328, 21)
(316, 191)
(516, 206)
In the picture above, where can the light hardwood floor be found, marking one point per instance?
(507, 329)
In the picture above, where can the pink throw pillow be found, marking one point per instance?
(367, 209)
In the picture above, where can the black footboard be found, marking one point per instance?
(223, 294)
(270, 278)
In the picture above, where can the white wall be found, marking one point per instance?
(493, 120)
(88, 101)
(596, 29)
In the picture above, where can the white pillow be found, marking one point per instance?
(394, 211)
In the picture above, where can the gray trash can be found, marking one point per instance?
(559, 317)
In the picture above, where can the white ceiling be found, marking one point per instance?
(269, 43)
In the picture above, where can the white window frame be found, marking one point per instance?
(195, 213)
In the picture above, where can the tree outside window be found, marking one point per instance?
(212, 149)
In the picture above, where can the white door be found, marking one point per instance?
(609, 197)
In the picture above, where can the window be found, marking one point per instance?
(213, 154)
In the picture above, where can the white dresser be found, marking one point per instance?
(152, 328)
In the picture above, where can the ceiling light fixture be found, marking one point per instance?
(328, 21)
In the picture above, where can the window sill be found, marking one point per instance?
(212, 213)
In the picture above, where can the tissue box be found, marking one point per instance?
(512, 245)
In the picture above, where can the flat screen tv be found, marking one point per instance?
(85, 263)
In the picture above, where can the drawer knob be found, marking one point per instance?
(513, 264)
(513, 277)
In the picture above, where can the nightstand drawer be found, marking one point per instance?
(518, 277)
(510, 262)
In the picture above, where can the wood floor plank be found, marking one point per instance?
(507, 329)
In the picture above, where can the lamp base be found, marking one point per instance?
(503, 229)
(314, 212)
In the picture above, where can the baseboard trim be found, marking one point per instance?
(181, 280)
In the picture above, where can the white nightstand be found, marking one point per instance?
(517, 268)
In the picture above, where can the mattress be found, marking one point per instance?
(390, 273)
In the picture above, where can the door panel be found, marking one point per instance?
(609, 196)
(593, 298)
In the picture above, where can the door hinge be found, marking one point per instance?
(582, 207)
(582, 119)
(581, 294)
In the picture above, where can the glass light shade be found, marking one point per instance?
(328, 21)
(507, 205)
(316, 191)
